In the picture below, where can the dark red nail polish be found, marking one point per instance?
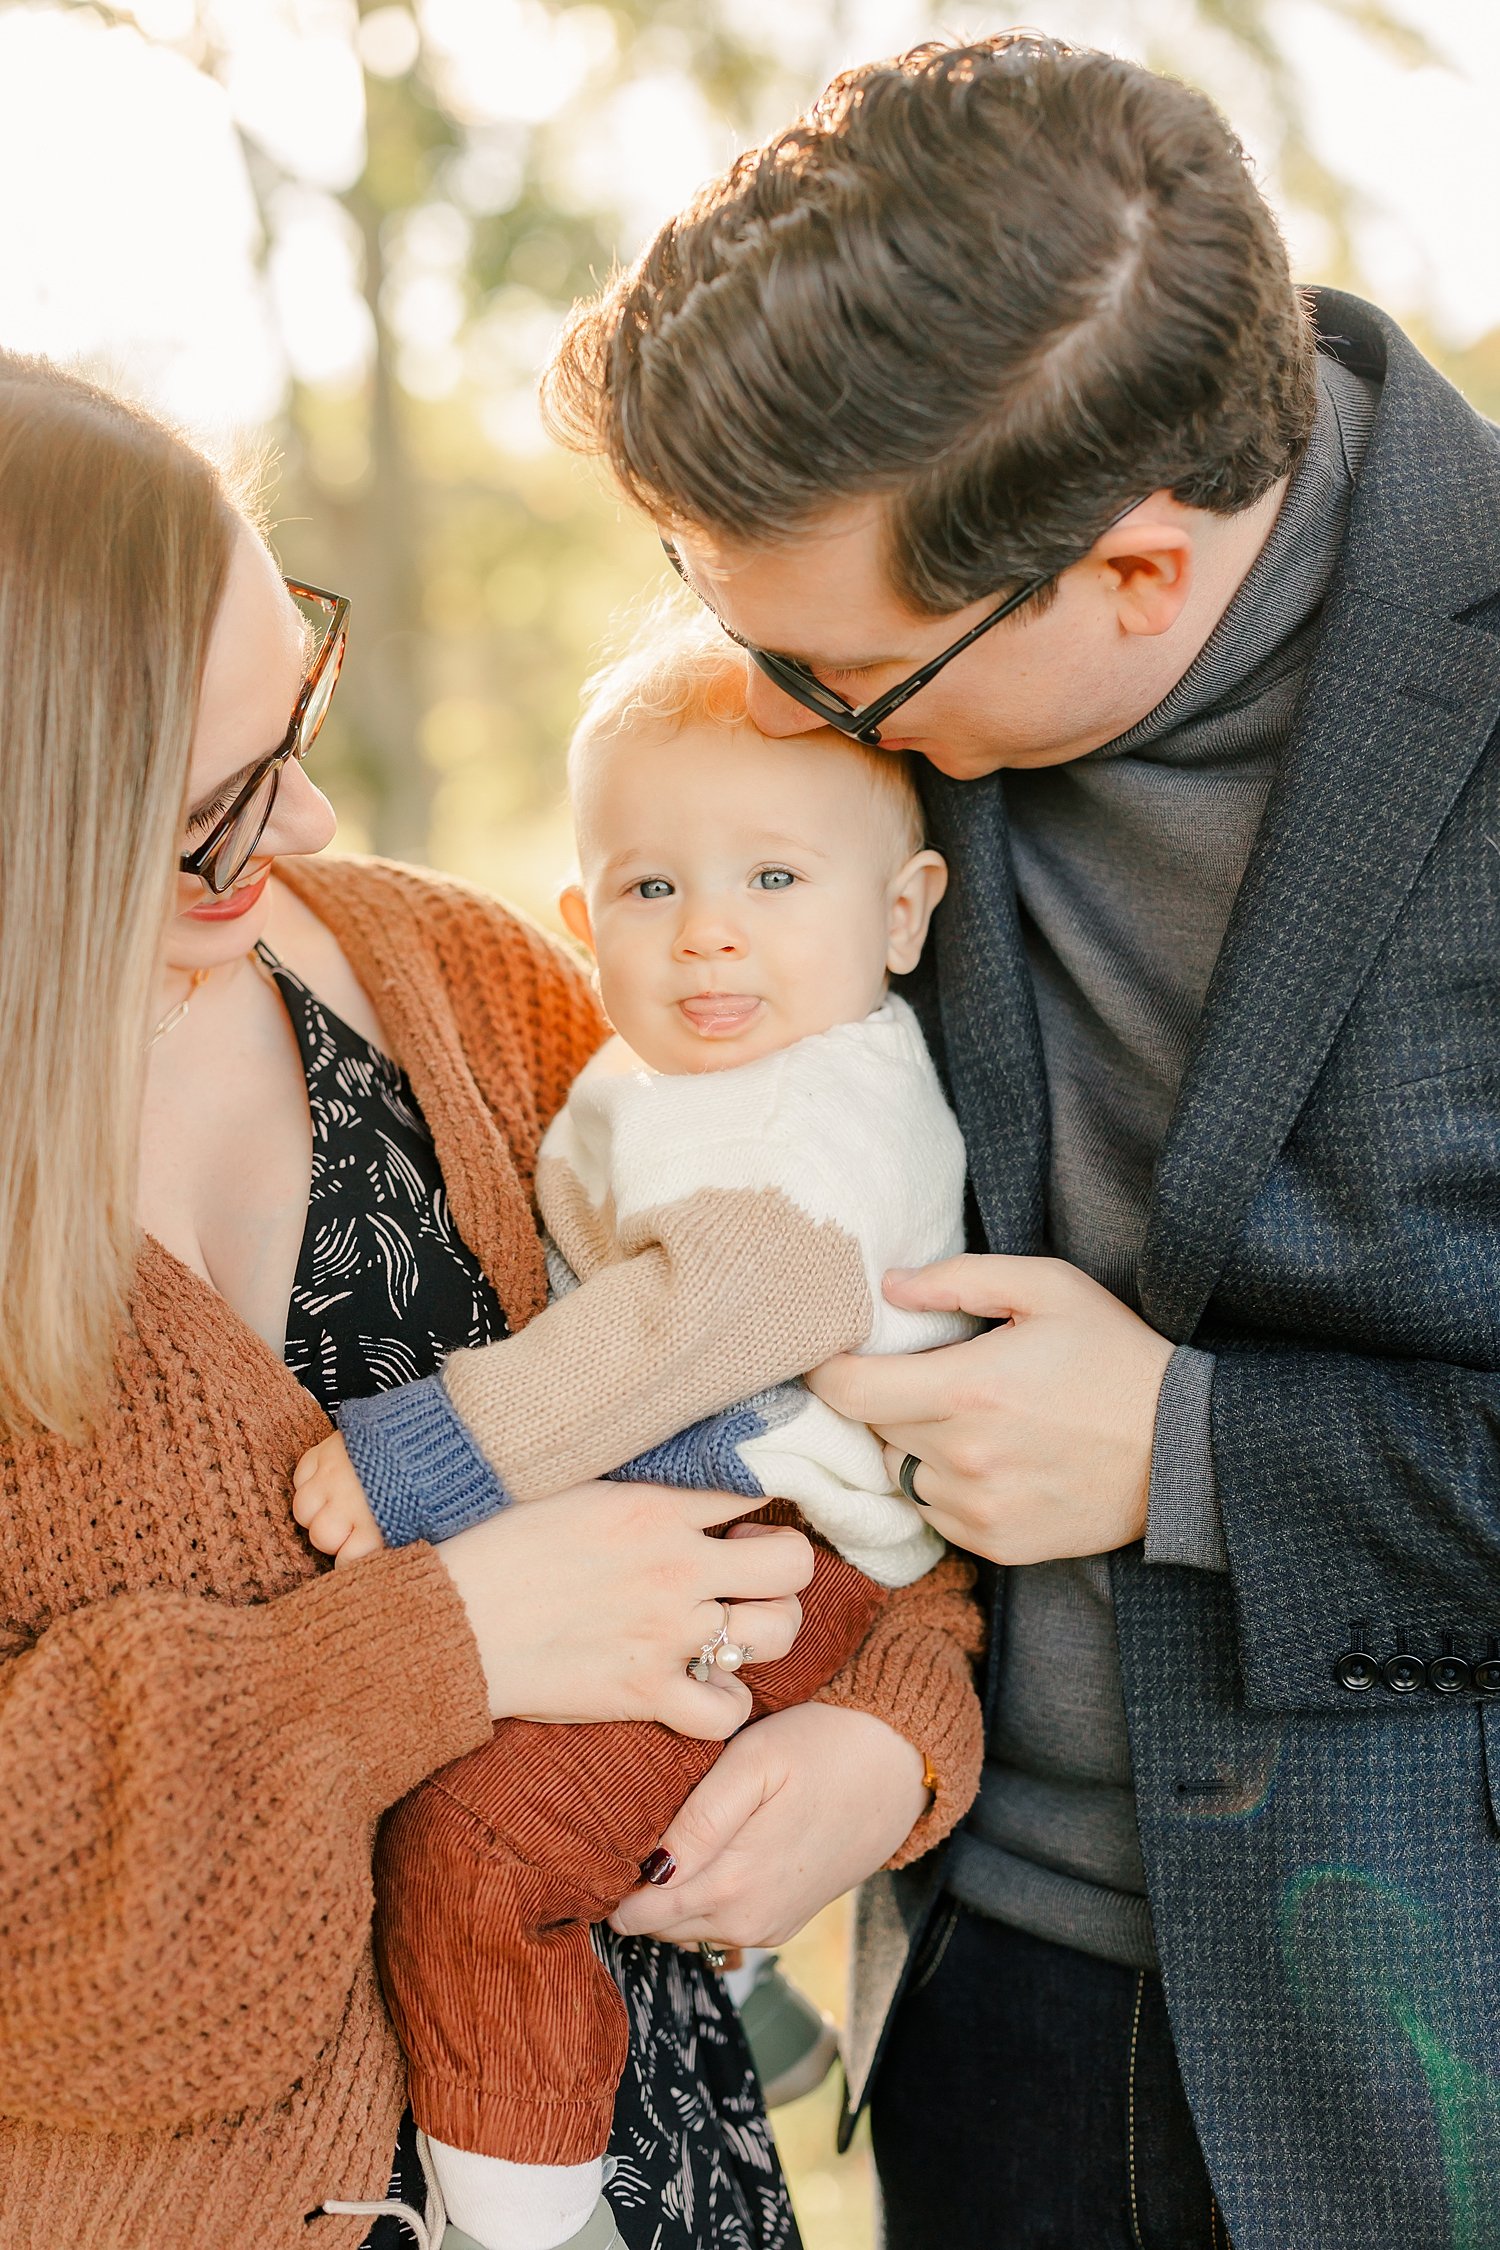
(659, 1866)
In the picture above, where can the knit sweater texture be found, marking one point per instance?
(1128, 863)
(200, 1727)
(727, 1231)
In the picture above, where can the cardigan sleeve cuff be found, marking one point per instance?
(390, 1637)
(1183, 1524)
(423, 1474)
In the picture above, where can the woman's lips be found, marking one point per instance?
(719, 1015)
(233, 904)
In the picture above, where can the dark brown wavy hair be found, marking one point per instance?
(1007, 287)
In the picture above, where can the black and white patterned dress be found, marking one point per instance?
(386, 1287)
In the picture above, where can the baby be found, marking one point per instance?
(731, 1176)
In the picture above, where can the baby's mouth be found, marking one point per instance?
(719, 1015)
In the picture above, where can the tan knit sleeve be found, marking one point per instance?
(915, 1670)
(713, 1298)
(191, 1794)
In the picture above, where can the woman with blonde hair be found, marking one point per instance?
(267, 1131)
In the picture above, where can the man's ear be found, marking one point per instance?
(574, 909)
(1146, 565)
(918, 888)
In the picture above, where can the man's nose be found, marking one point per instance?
(771, 711)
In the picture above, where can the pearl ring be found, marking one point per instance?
(728, 1655)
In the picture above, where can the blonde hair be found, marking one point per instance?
(115, 540)
(680, 669)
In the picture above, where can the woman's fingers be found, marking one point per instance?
(592, 1604)
(710, 1712)
(768, 1629)
(705, 1510)
(759, 1569)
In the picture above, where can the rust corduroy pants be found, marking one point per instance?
(490, 1875)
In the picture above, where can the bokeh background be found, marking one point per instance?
(346, 232)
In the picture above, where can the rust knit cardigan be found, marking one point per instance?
(200, 1727)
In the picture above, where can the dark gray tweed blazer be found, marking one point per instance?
(1316, 1739)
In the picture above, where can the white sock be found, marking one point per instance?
(509, 2206)
(741, 1981)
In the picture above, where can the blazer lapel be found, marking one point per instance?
(987, 1012)
(1402, 697)
(1398, 709)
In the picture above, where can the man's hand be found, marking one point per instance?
(1035, 1438)
(801, 1807)
(329, 1502)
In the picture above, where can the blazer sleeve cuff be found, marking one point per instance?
(1183, 1524)
(423, 1474)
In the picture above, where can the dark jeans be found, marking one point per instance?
(1029, 2100)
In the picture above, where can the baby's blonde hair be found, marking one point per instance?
(681, 669)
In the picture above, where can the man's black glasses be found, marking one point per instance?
(864, 723)
(228, 848)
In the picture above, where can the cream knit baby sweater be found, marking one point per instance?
(715, 1237)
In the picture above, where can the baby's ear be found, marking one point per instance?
(574, 909)
(914, 896)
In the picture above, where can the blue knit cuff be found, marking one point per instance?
(423, 1475)
(705, 1457)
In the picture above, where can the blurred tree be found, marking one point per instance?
(495, 186)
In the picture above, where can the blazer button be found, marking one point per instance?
(1357, 1669)
(1487, 1670)
(1403, 1674)
(1449, 1674)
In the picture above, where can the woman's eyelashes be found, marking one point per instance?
(200, 822)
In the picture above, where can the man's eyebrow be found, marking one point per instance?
(810, 663)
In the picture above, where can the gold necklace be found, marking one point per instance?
(174, 1016)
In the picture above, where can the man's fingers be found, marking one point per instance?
(992, 1288)
(882, 1388)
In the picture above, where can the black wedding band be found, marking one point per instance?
(906, 1478)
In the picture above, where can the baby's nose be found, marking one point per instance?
(703, 935)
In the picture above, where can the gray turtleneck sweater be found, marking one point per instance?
(1127, 865)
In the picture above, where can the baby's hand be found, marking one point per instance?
(329, 1502)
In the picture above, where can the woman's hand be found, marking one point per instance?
(800, 1808)
(591, 1604)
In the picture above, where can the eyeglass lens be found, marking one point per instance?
(237, 848)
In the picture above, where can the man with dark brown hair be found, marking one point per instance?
(981, 408)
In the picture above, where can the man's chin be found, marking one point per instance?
(968, 763)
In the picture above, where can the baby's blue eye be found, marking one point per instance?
(774, 878)
(655, 886)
